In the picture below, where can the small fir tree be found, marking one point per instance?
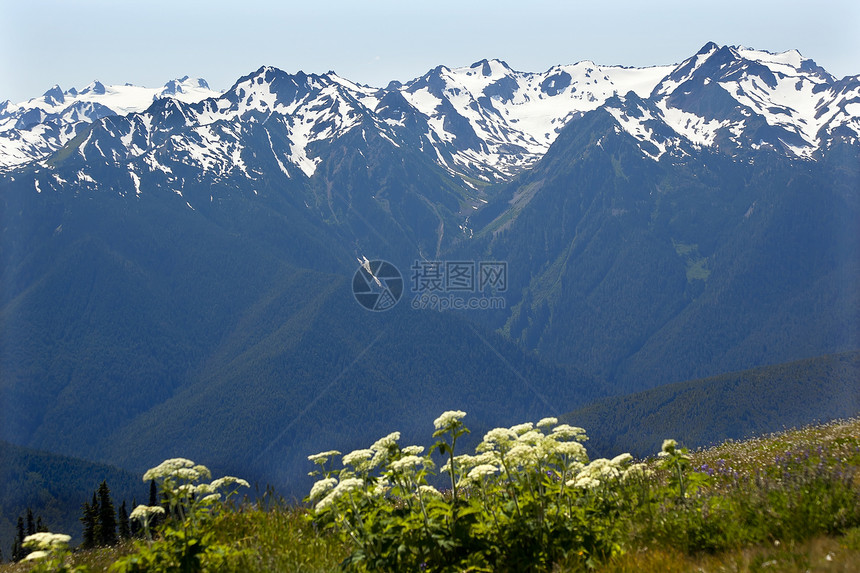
(124, 530)
(94, 508)
(153, 502)
(18, 551)
(134, 525)
(31, 523)
(88, 519)
(106, 520)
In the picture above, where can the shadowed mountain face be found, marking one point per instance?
(177, 282)
(647, 272)
(145, 329)
(732, 406)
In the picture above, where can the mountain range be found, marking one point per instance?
(177, 264)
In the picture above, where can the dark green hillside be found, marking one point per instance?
(55, 487)
(727, 407)
(137, 329)
(328, 374)
(112, 310)
(648, 272)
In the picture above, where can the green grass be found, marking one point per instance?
(819, 554)
(784, 502)
(281, 539)
(696, 263)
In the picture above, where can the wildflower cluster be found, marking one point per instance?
(189, 504)
(526, 498)
(50, 552)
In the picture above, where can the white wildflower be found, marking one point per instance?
(621, 459)
(566, 432)
(46, 540)
(531, 437)
(573, 450)
(357, 457)
(347, 486)
(545, 447)
(326, 501)
(144, 512)
(382, 486)
(429, 490)
(211, 498)
(406, 462)
(412, 450)
(385, 442)
(521, 455)
(486, 458)
(186, 489)
(496, 437)
(203, 471)
(204, 489)
(522, 428)
(322, 457)
(479, 472)
(322, 487)
(166, 468)
(187, 474)
(601, 469)
(668, 447)
(575, 466)
(544, 422)
(36, 555)
(229, 480)
(448, 419)
(635, 471)
(584, 482)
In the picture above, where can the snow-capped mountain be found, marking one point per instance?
(496, 121)
(485, 121)
(735, 98)
(35, 128)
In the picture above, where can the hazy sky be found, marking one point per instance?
(44, 42)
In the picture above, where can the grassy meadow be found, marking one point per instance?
(527, 500)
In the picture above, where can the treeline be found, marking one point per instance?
(104, 525)
(53, 487)
(32, 526)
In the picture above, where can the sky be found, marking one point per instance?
(73, 42)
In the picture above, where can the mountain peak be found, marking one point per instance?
(707, 49)
(96, 87)
(182, 85)
(492, 67)
(54, 96)
(791, 58)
